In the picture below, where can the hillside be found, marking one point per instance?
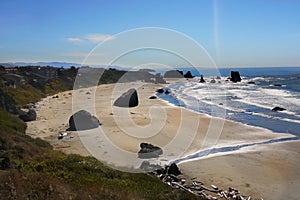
(30, 169)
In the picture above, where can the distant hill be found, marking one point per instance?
(55, 64)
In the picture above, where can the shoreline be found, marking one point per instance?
(51, 122)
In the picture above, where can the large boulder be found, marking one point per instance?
(161, 90)
(188, 74)
(128, 99)
(149, 151)
(82, 120)
(235, 76)
(278, 109)
(28, 116)
(173, 170)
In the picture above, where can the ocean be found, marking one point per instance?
(245, 102)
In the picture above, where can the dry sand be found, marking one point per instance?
(263, 170)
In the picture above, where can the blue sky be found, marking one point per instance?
(235, 33)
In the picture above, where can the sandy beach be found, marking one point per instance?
(270, 171)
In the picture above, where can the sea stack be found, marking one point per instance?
(202, 79)
(235, 76)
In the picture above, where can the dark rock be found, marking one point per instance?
(55, 97)
(149, 151)
(218, 77)
(235, 76)
(82, 120)
(278, 109)
(167, 92)
(128, 99)
(188, 75)
(153, 97)
(202, 79)
(160, 171)
(29, 116)
(213, 81)
(251, 82)
(174, 74)
(277, 85)
(161, 90)
(173, 170)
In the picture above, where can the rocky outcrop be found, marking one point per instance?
(202, 79)
(28, 116)
(188, 74)
(174, 74)
(161, 90)
(278, 109)
(153, 97)
(173, 170)
(128, 99)
(82, 120)
(235, 77)
(149, 151)
(168, 91)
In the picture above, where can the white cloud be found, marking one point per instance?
(96, 38)
(74, 40)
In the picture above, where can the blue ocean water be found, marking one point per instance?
(243, 102)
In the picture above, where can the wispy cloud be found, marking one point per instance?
(96, 38)
(74, 40)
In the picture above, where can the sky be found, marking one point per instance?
(232, 33)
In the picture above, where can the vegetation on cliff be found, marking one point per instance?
(30, 169)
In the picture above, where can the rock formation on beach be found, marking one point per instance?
(161, 90)
(28, 116)
(128, 99)
(174, 74)
(82, 120)
(149, 151)
(278, 109)
(167, 91)
(173, 170)
(188, 74)
(235, 77)
(153, 97)
(202, 79)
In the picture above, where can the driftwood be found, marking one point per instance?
(197, 188)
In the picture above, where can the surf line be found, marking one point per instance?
(212, 151)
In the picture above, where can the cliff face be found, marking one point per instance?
(7, 103)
